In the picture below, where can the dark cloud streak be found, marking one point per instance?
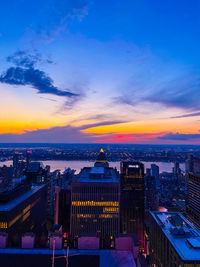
(26, 73)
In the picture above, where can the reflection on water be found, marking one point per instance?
(79, 164)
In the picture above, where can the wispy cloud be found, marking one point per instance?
(63, 134)
(58, 17)
(103, 123)
(196, 114)
(25, 72)
(163, 83)
(179, 136)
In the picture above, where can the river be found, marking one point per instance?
(79, 164)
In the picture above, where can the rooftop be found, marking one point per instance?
(35, 166)
(183, 236)
(98, 175)
(16, 201)
(112, 258)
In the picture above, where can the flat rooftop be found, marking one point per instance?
(183, 236)
(16, 201)
(98, 175)
(111, 258)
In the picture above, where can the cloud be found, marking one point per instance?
(130, 138)
(25, 72)
(164, 83)
(58, 18)
(179, 136)
(64, 134)
(23, 59)
(196, 114)
(103, 123)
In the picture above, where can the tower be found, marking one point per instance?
(132, 199)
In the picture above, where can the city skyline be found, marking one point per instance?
(100, 71)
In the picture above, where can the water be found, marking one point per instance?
(79, 164)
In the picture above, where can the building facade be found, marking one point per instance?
(132, 199)
(24, 212)
(95, 200)
(174, 242)
(193, 198)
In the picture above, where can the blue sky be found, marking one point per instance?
(129, 69)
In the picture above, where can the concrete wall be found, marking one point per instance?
(3, 240)
(88, 242)
(58, 241)
(28, 240)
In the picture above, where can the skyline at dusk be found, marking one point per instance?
(100, 72)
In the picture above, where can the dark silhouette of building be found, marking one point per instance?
(23, 209)
(193, 198)
(155, 173)
(151, 200)
(132, 199)
(36, 173)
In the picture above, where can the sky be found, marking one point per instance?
(91, 71)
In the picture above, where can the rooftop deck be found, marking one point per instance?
(183, 236)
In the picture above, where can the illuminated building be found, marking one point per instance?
(173, 241)
(24, 212)
(95, 200)
(132, 199)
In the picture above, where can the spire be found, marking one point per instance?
(101, 160)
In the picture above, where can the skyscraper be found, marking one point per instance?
(95, 196)
(155, 173)
(193, 198)
(132, 199)
(173, 240)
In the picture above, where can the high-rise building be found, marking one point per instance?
(28, 158)
(173, 241)
(15, 164)
(36, 172)
(193, 198)
(155, 173)
(150, 193)
(23, 209)
(95, 196)
(193, 190)
(176, 169)
(132, 199)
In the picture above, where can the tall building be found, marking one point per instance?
(28, 158)
(155, 173)
(95, 196)
(176, 169)
(173, 241)
(15, 163)
(193, 198)
(151, 200)
(23, 209)
(193, 190)
(36, 172)
(132, 199)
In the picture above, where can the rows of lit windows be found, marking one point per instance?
(106, 216)
(110, 210)
(23, 213)
(3, 225)
(95, 203)
(85, 216)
